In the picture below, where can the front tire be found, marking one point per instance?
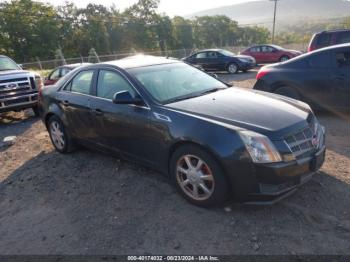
(288, 91)
(232, 68)
(198, 177)
(59, 136)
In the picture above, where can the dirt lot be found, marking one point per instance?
(90, 203)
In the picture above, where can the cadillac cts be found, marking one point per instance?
(214, 141)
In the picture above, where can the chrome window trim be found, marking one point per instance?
(62, 89)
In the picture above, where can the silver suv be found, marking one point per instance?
(18, 88)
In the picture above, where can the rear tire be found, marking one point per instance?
(198, 176)
(284, 58)
(59, 136)
(288, 91)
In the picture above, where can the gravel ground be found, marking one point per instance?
(91, 203)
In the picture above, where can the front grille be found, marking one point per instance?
(307, 140)
(17, 91)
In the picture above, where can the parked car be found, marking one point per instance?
(61, 71)
(212, 140)
(221, 60)
(18, 88)
(321, 78)
(270, 53)
(329, 38)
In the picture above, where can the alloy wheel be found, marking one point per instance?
(195, 177)
(232, 68)
(57, 135)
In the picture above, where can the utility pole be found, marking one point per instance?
(274, 21)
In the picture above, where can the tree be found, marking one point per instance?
(182, 31)
(28, 29)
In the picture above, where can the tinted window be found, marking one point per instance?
(55, 75)
(81, 83)
(343, 59)
(212, 55)
(173, 81)
(323, 40)
(110, 83)
(343, 38)
(201, 55)
(320, 60)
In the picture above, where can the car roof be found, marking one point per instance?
(72, 66)
(210, 50)
(140, 61)
(333, 31)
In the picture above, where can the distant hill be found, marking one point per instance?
(289, 11)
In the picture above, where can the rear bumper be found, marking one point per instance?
(278, 181)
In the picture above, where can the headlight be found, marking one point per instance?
(244, 60)
(260, 148)
(39, 83)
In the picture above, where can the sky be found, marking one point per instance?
(170, 7)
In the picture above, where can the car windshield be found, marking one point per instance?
(227, 53)
(177, 81)
(7, 64)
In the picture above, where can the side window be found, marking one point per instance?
(64, 71)
(343, 59)
(211, 55)
(110, 82)
(201, 55)
(255, 49)
(266, 49)
(55, 75)
(323, 40)
(320, 60)
(343, 38)
(81, 83)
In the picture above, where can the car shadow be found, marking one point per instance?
(90, 203)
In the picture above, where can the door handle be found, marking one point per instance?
(97, 112)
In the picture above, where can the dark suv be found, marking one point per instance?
(329, 38)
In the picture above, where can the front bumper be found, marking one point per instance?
(247, 66)
(278, 181)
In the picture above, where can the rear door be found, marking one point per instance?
(341, 78)
(342, 37)
(74, 99)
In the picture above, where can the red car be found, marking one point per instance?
(61, 71)
(270, 53)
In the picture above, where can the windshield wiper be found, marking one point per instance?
(194, 95)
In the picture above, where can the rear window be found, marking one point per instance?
(343, 37)
(323, 40)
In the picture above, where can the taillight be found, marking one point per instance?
(262, 72)
(310, 48)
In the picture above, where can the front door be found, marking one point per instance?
(122, 128)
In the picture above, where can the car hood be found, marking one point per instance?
(266, 113)
(11, 73)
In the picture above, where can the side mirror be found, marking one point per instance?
(125, 98)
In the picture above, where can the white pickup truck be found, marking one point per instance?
(18, 88)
